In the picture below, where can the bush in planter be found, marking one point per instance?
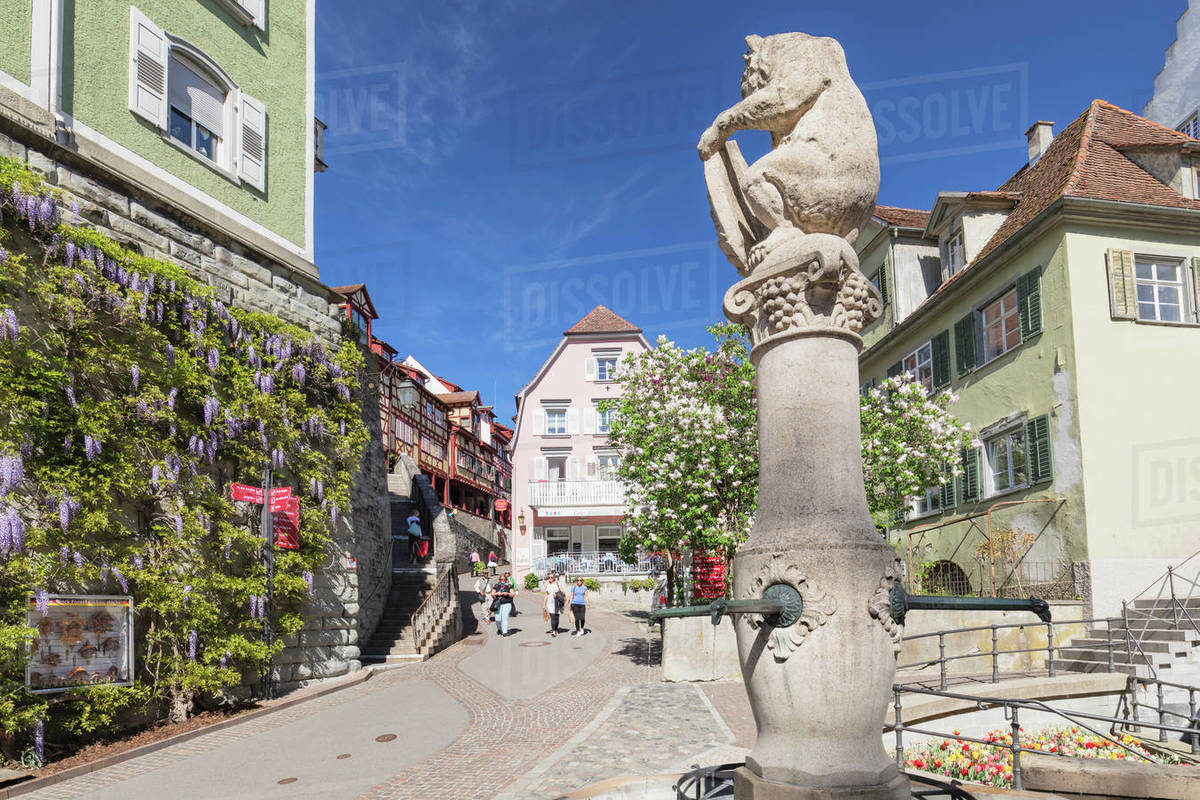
(531, 582)
(592, 584)
(625, 587)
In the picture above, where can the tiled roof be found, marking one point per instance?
(450, 384)
(601, 320)
(902, 217)
(1085, 160)
(351, 289)
(458, 398)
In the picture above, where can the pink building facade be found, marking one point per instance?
(566, 495)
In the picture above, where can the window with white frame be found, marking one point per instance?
(606, 466)
(1001, 325)
(1006, 461)
(608, 538)
(556, 421)
(606, 367)
(1160, 289)
(920, 363)
(954, 253)
(604, 418)
(193, 102)
(1190, 127)
(928, 503)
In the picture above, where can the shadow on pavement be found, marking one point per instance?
(643, 651)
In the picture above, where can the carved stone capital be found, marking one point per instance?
(806, 284)
(817, 606)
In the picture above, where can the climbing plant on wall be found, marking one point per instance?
(130, 396)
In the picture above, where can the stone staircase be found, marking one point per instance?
(1155, 640)
(393, 640)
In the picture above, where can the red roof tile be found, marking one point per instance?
(459, 398)
(902, 217)
(601, 320)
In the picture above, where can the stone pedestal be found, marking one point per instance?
(819, 689)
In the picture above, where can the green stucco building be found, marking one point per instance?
(1064, 311)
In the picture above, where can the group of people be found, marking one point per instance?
(499, 600)
(492, 563)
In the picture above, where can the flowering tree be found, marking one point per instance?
(686, 429)
(910, 441)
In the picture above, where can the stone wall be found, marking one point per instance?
(346, 603)
(467, 538)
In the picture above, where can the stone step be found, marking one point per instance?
(1146, 646)
(391, 658)
(1095, 666)
(1085, 654)
(1145, 623)
(1165, 604)
(1161, 634)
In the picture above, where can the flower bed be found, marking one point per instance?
(991, 764)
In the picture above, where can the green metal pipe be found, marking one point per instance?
(780, 605)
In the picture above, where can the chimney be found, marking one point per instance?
(1038, 138)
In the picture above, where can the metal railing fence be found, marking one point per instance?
(425, 618)
(597, 562)
(1175, 594)
(1012, 709)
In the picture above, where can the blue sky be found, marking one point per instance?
(497, 168)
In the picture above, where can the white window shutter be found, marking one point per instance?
(252, 153)
(539, 422)
(572, 421)
(589, 420)
(541, 468)
(589, 369)
(593, 469)
(148, 59)
(573, 468)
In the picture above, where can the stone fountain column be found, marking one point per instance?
(820, 688)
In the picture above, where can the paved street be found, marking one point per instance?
(520, 717)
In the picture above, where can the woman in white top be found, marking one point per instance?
(554, 602)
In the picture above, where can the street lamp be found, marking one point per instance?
(521, 519)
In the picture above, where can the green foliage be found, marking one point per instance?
(592, 584)
(132, 396)
(625, 587)
(686, 429)
(531, 581)
(480, 568)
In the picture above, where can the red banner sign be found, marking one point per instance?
(286, 523)
(281, 501)
(245, 493)
(501, 504)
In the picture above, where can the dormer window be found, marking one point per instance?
(954, 254)
(1191, 126)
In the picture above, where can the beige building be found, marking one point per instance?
(1063, 309)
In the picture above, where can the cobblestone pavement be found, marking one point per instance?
(501, 740)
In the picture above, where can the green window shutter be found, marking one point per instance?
(883, 284)
(1122, 289)
(1037, 437)
(941, 359)
(964, 343)
(1196, 286)
(895, 369)
(949, 491)
(970, 475)
(1029, 303)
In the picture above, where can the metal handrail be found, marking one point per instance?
(1013, 707)
(423, 619)
(1176, 603)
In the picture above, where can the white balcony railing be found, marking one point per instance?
(576, 493)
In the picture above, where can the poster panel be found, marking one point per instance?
(82, 640)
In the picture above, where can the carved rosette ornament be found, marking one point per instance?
(817, 607)
(880, 605)
(809, 283)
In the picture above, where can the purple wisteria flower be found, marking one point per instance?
(214, 360)
(211, 407)
(158, 313)
(41, 599)
(177, 521)
(170, 355)
(11, 329)
(104, 572)
(333, 512)
(192, 639)
(12, 472)
(228, 548)
(75, 207)
(136, 374)
(342, 427)
(121, 580)
(308, 580)
(39, 741)
(299, 373)
(70, 391)
(64, 555)
(343, 392)
(91, 446)
(137, 562)
(155, 476)
(12, 531)
(78, 558)
(223, 659)
(171, 395)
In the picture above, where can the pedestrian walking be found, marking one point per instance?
(579, 604)
(502, 603)
(555, 600)
(475, 561)
(414, 536)
(484, 590)
(492, 563)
